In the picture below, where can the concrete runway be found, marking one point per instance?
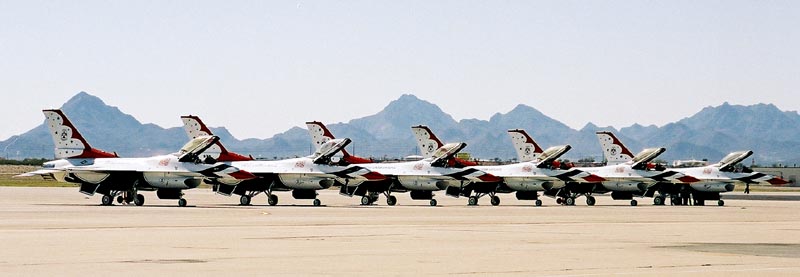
(58, 231)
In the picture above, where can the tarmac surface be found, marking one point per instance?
(58, 231)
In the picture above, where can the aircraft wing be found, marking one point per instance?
(359, 172)
(218, 170)
(40, 172)
(471, 174)
(580, 176)
(674, 177)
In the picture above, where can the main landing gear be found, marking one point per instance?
(122, 197)
(372, 197)
(494, 199)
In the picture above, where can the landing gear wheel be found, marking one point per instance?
(538, 203)
(182, 202)
(590, 200)
(107, 200)
(472, 201)
(317, 202)
(720, 203)
(365, 200)
(495, 200)
(433, 202)
(391, 200)
(119, 199)
(658, 200)
(138, 200)
(272, 200)
(244, 200)
(634, 202)
(569, 201)
(559, 200)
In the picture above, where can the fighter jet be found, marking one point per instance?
(623, 178)
(302, 176)
(102, 172)
(537, 172)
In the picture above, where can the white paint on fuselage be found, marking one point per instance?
(417, 175)
(526, 176)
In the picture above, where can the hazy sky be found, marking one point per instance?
(261, 67)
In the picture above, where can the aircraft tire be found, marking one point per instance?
(119, 199)
(272, 200)
(138, 200)
(182, 202)
(495, 200)
(720, 203)
(317, 202)
(590, 200)
(391, 200)
(433, 203)
(365, 200)
(569, 201)
(634, 202)
(472, 201)
(658, 200)
(244, 200)
(107, 200)
(538, 203)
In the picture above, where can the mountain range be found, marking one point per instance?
(773, 135)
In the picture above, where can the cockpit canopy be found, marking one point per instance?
(192, 149)
(729, 162)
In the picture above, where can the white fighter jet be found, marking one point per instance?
(302, 176)
(438, 170)
(101, 172)
(623, 178)
(712, 179)
(536, 172)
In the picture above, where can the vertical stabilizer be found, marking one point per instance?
(613, 149)
(195, 128)
(68, 141)
(426, 140)
(527, 149)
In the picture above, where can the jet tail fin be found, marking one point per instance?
(613, 150)
(68, 141)
(527, 149)
(195, 128)
(427, 142)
